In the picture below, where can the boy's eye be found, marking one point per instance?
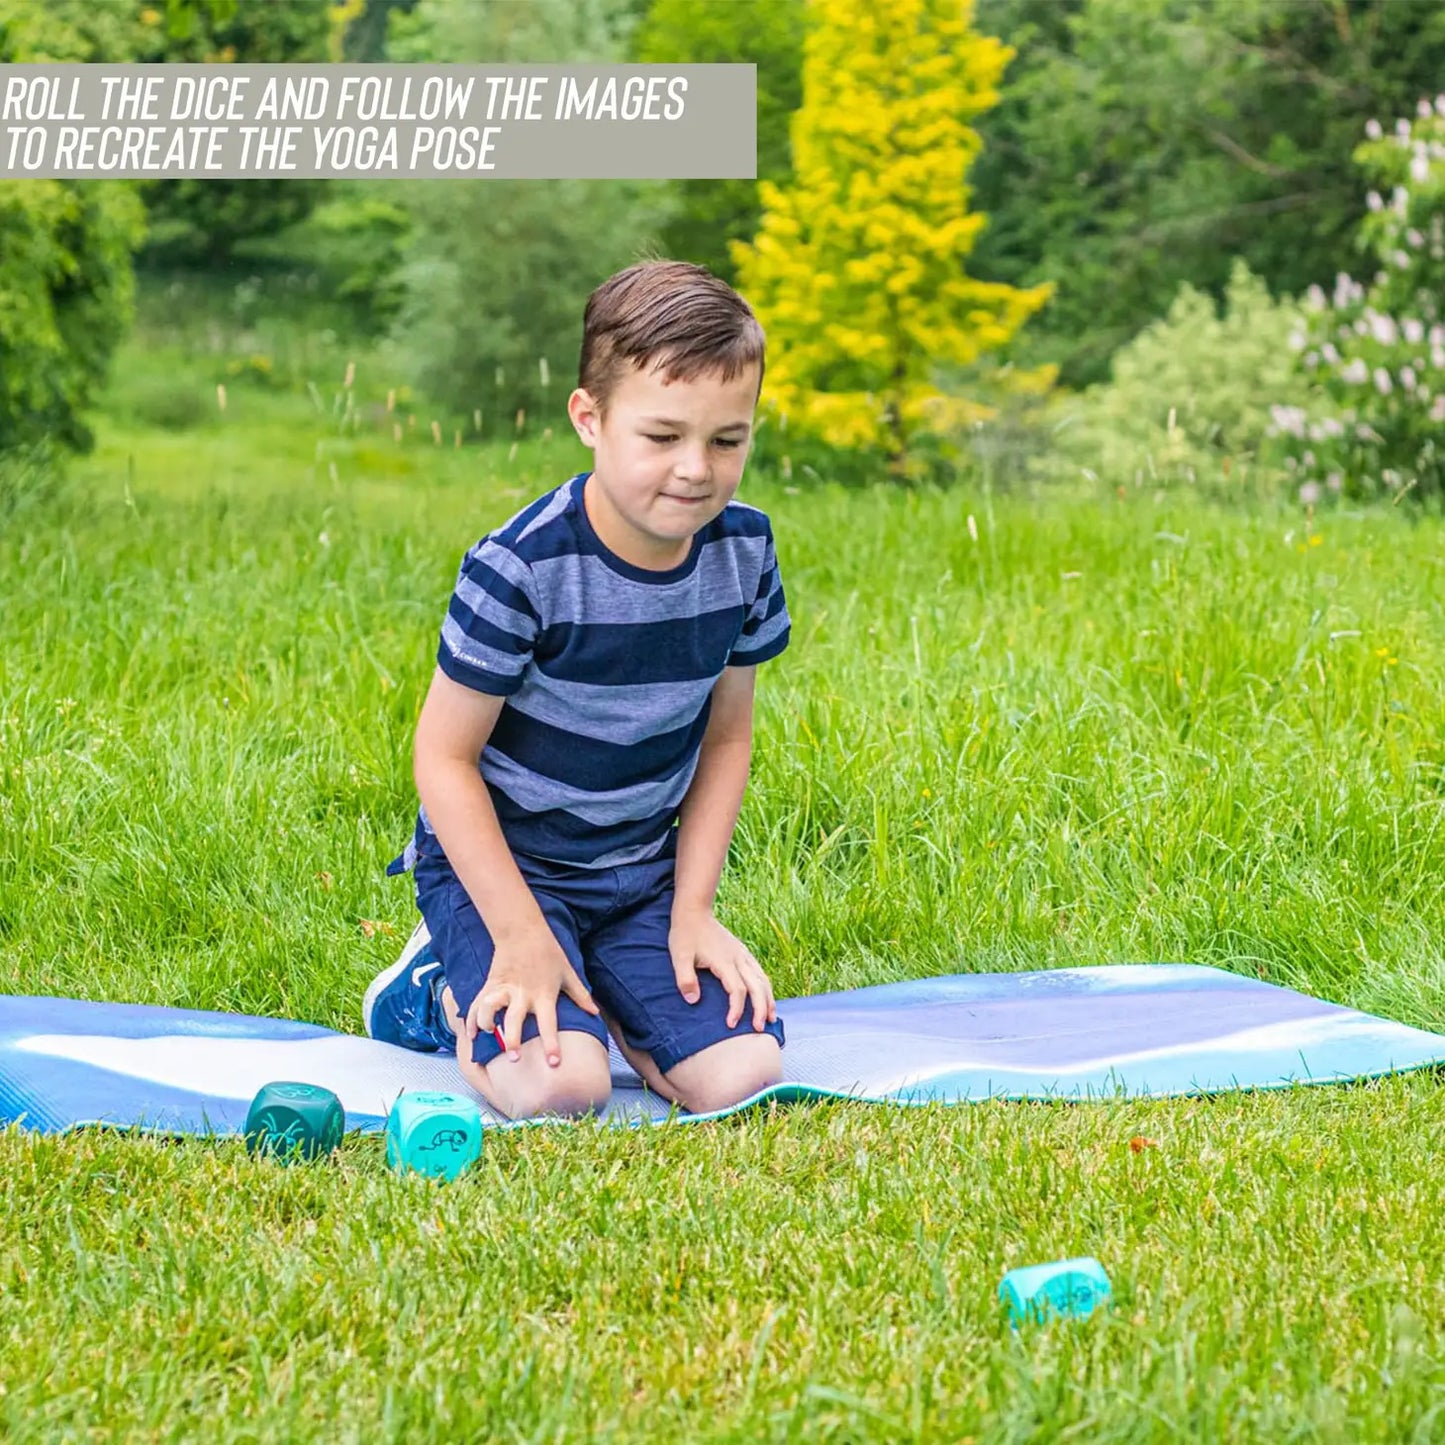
(731, 443)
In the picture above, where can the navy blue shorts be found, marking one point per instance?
(612, 924)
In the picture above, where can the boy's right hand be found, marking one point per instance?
(528, 974)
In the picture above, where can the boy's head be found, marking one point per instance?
(671, 315)
(671, 369)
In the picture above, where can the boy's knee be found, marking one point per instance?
(531, 1088)
(726, 1073)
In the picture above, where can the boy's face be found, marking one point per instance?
(668, 458)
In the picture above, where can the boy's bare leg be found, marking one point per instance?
(716, 1077)
(530, 1086)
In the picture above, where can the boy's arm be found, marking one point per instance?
(528, 969)
(706, 819)
(451, 732)
(709, 811)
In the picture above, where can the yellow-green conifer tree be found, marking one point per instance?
(857, 270)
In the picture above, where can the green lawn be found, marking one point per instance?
(1013, 731)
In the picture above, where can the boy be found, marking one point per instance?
(582, 752)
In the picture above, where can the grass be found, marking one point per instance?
(1077, 728)
(825, 1273)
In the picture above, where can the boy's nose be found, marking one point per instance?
(693, 465)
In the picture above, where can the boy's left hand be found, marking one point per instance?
(698, 940)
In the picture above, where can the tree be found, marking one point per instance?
(64, 32)
(500, 271)
(198, 220)
(66, 282)
(857, 270)
(364, 25)
(188, 218)
(1143, 144)
(768, 34)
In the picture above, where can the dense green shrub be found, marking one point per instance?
(65, 251)
(1191, 394)
(67, 31)
(66, 288)
(351, 250)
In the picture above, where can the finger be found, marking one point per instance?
(576, 990)
(490, 1004)
(476, 1014)
(758, 992)
(512, 1028)
(547, 1028)
(764, 988)
(686, 975)
(760, 986)
(737, 992)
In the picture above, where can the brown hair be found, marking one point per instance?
(673, 313)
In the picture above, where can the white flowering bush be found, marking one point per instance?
(1375, 353)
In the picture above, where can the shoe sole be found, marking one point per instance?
(414, 945)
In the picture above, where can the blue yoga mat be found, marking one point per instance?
(1144, 1030)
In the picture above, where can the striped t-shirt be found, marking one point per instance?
(607, 669)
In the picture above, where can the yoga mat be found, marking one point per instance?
(1140, 1030)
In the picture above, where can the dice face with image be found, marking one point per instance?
(1066, 1288)
(291, 1121)
(453, 1139)
(435, 1134)
(1069, 1294)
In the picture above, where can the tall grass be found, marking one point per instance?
(1107, 729)
(1012, 731)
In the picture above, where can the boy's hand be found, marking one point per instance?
(527, 976)
(697, 940)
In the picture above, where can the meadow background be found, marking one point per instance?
(1103, 670)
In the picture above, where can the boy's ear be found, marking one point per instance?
(583, 413)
